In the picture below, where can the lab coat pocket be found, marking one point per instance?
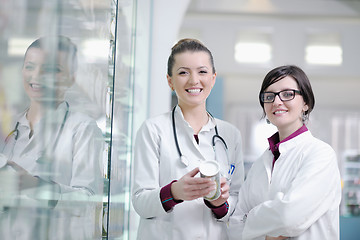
(155, 228)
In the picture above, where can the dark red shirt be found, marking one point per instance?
(168, 202)
(274, 141)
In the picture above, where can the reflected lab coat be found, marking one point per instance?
(157, 163)
(75, 164)
(299, 199)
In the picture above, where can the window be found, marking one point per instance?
(253, 47)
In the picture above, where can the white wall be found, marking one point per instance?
(158, 23)
(166, 21)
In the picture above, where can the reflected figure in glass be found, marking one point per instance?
(52, 160)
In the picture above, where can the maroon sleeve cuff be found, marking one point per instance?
(219, 211)
(167, 200)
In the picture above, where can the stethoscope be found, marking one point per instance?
(15, 133)
(216, 138)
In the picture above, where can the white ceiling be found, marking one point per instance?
(218, 22)
(328, 8)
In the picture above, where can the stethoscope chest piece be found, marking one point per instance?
(184, 160)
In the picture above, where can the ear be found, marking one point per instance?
(170, 82)
(305, 108)
(213, 80)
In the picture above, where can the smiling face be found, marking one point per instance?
(44, 78)
(286, 116)
(192, 78)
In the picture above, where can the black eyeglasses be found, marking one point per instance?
(284, 95)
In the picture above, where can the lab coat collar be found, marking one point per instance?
(23, 120)
(275, 142)
(48, 127)
(290, 144)
(209, 125)
(51, 114)
(54, 115)
(283, 149)
(180, 118)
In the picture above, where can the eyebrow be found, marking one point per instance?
(201, 67)
(285, 89)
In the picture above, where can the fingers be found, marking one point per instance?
(15, 166)
(223, 181)
(200, 193)
(190, 179)
(11, 164)
(275, 238)
(198, 187)
(190, 187)
(193, 172)
(182, 190)
(225, 188)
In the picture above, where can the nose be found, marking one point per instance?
(193, 79)
(277, 100)
(34, 74)
(41, 76)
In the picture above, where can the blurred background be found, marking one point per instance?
(123, 49)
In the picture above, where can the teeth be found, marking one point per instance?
(35, 86)
(197, 90)
(279, 112)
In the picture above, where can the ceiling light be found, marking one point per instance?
(18, 46)
(96, 48)
(323, 55)
(252, 52)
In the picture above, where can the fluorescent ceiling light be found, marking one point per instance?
(323, 55)
(96, 48)
(18, 46)
(252, 52)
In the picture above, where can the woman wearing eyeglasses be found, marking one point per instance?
(293, 190)
(167, 191)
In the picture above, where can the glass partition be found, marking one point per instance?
(66, 93)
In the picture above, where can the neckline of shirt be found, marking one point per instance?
(207, 127)
(274, 140)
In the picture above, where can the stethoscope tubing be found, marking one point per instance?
(176, 139)
(184, 159)
(16, 130)
(174, 131)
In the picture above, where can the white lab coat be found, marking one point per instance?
(299, 199)
(74, 163)
(157, 163)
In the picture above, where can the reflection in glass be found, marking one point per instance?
(100, 94)
(53, 154)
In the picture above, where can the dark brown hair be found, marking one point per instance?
(298, 75)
